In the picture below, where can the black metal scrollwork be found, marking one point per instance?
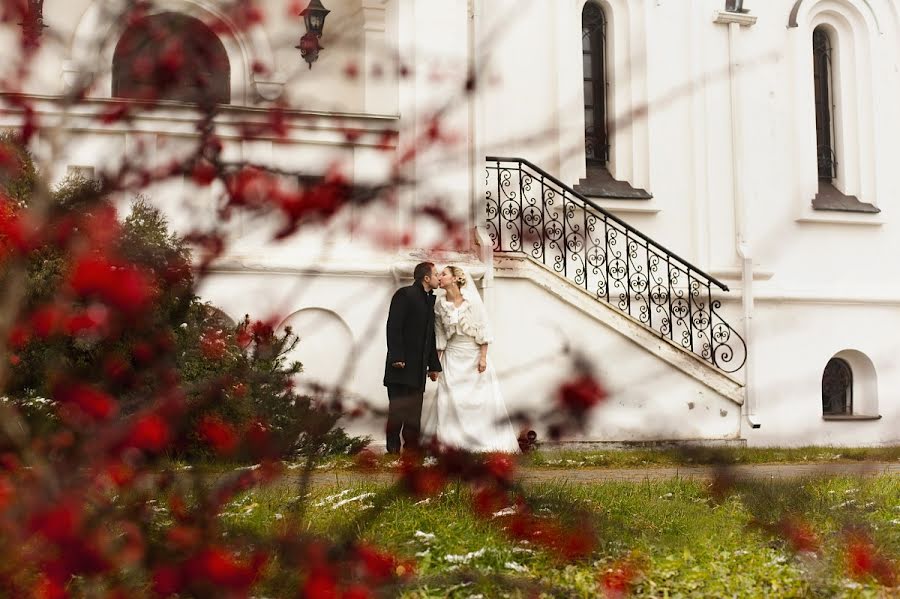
(530, 212)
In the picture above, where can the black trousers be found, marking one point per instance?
(404, 415)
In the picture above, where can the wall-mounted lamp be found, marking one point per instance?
(734, 6)
(314, 18)
(33, 22)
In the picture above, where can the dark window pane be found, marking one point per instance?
(823, 82)
(593, 41)
(837, 387)
(170, 56)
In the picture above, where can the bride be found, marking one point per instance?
(468, 411)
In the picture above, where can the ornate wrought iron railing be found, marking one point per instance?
(531, 212)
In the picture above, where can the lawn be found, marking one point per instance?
(648, 458)
(628, 458)
(683, 540)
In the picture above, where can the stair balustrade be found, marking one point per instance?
(531, 213)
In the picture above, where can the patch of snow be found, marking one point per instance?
(331, 498)
(515, 567)
(464, 559)
(344, 502)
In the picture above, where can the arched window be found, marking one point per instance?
(837, 388)
(593, 50)
(170, 56)
(824, 94)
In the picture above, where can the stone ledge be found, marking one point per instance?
(724, 17)
(830, 198)
(849, 417)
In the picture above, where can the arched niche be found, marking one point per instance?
(864, 381)
(325, 346)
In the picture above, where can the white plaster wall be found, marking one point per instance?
(824, 282)
(359, 302)
(794, 342)
(649, 399)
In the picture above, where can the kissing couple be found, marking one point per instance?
(444, 338)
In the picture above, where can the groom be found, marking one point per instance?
(411, 354)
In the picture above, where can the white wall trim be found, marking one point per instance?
(177, 119)
(866, 219)
(627, 96)
(853, 33)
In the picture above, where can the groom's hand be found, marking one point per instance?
(399, 364)
(433, 375)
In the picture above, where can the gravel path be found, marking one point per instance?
(593, 475)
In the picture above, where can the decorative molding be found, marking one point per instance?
(379, 93)
(743, 19)
(178, 118)
(793, 22)
(856, 134)
(269, 90)
(628, 92)
(74, 76)
(373, 14)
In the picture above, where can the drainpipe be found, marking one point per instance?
(476, 158)
(736, 20)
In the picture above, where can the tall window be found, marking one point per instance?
(837, 388)
(824, 91)
(170, 56)
(593, 50)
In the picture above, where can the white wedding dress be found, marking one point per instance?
(467, 411)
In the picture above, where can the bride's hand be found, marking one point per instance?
(482, 364)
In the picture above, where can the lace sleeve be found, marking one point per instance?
(440, 334)
(475, 324)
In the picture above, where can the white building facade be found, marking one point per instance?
(698, 196)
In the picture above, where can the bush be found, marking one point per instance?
(232, 374)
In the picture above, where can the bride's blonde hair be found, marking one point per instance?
(459, 275)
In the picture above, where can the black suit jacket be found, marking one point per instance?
(410, 337)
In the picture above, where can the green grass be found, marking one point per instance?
(660, 458)
(691, 546)
(623, 458)
(647, 458)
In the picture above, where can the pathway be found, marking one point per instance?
(595, 475)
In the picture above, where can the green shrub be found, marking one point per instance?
(237, 373)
